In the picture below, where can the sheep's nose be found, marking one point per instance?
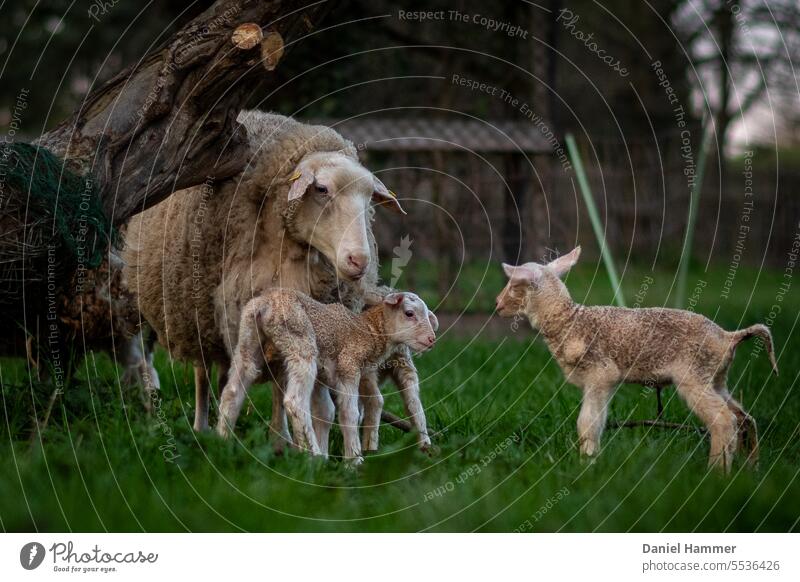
(357, 262)
(431, 340)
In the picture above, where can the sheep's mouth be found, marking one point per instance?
(504, 311)
(420, 347)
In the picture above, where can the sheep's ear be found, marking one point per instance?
(393, 299)
(562, 265)
(433, 321)
(385, 197)
(508, 270)
(522, 275)
(300, 182)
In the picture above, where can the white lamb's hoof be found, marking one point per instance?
(354, 462)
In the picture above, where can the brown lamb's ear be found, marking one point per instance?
(522, 275)
(300, 181)
(393, 299)
(385, 197)
(563, 264)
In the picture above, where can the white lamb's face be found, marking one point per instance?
(409, 321)
(334, 193)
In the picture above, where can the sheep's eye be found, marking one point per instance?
(409, 314)
(321, 189)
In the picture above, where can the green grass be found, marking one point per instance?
(505, 455)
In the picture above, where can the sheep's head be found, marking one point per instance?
(332, 192)
(409, 321)
(531, 285)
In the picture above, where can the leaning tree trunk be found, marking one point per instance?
(169, 122)
(164, 124)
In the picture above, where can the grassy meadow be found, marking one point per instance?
(505, 455)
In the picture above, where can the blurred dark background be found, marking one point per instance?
(638, 84)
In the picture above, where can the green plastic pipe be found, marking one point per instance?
(688, 239)
(594, 217)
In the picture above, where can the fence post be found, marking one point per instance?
(594, 217)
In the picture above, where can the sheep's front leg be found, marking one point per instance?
(372, 401)
(405, 376)
(347, 401)
(300, 377)
(592, 417)
(201, 398)
(139, 369)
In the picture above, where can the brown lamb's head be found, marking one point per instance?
(531, 285)
(331, 194)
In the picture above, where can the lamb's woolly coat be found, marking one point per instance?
(198, 257)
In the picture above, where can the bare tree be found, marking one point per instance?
(741, 50)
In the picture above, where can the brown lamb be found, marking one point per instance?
(601, 347)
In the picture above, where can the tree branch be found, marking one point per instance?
(170, 121)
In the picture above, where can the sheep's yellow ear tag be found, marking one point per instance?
(296, 176)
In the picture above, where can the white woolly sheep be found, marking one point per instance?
(297, 217)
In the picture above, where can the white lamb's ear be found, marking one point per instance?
(508, 270)
(433, 321)
(300, 181)
(393, 299)
(562, 265)
(385, 197)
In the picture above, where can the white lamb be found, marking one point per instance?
(311, 338)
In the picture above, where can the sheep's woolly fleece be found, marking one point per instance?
(197, 258)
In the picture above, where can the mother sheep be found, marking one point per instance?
(298, 217)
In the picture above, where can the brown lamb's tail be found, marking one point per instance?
(761, 331)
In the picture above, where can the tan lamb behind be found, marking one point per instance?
(601, 347)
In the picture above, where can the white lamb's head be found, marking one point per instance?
(531, 285)
(333, 193)
(409, 321)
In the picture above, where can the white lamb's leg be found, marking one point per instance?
(300, 377)
(592, 417)
(718, 417)
(372, 401)
(244, 371)
(278, 426)
(347, 401)
(407, 380)
(322, 413)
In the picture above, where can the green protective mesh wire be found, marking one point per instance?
(67, 202)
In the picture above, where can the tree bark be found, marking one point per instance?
(725, 31)
(169, 121)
